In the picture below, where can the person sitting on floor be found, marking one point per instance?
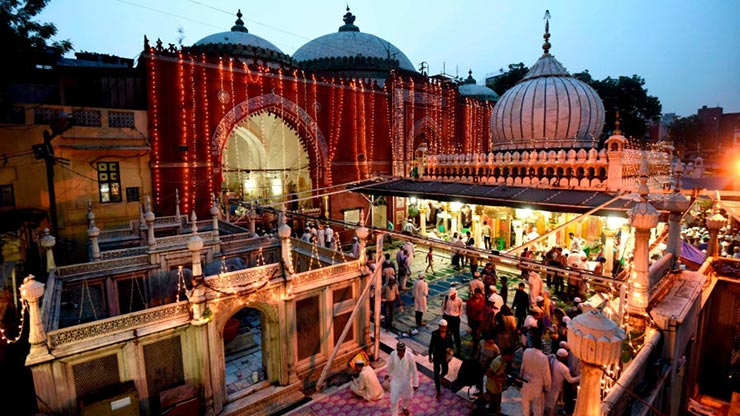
(366, 385)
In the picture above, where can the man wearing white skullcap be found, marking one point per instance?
(404, 378)
(421, 291)
(560, 373)
(452, 307)
(366, 385)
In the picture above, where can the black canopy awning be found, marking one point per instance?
(557, 200)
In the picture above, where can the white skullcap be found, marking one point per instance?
(442, 322)
(566, 319)
(562, 352)
(421, 275)
(359, 362)
(492, 288)
(577, 300)
(540, 299)
(492, 298)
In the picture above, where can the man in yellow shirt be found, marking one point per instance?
(496, 379)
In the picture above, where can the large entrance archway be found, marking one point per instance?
(264, 160)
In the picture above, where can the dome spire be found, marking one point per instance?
(239, 23)
(349, 20)
(616, 125)
(546, 45)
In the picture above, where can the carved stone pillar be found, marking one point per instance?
(48, 242)
(597, 341)
(149, 218)
(284, 235)
(714, 223)
(198, 296)
(643, 217)
(362, 232)
(423, 220)
(215, 211)
(31, 292)
(93, 232)
(609, 251)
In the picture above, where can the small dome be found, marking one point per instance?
(548, 108)
(239, 42)
(351, 50)
(470, 89)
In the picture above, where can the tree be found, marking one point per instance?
(686, 134)
(21, 34)
(507, 79)
(629, 96)
(24, 41)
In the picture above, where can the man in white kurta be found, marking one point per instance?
(367, 385)
(536, 370)
(560, 373)
(404, 378)
(421, 291)
(535, 287)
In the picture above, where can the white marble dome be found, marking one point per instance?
(469, 88)
(239, 42)
(547, 109)
(350, 47)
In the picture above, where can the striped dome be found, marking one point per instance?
(547, 109)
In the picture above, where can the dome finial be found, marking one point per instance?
(239, 23)
(349, 20)
(546, 45)
(616, 125)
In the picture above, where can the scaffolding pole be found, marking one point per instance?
(360, 303)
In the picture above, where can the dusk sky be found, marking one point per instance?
(687, 51)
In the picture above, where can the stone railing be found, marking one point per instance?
(117, 233)
(581, 169)
(118, 324)
(235, 237)
(104, 265)
(124, 252)
(243, 280)
(182, 239)
(327, 272)
(167, 221)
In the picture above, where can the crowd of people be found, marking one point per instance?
(531, 327)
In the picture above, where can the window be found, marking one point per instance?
(121, 119)
(109, 182)
(46, 115)
(308, 327)
(7, 198)
(132, 194)
(87, 118)
(343, 305)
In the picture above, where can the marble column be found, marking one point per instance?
(596, 341)
(215, 211)
(676, 204)
(609, 251)
(643, 217)
(31, 292)
(284, 235)
(48, 242)
(362, 232)
(198, 296)
(714, 223)
(93, 232)
(149, 218)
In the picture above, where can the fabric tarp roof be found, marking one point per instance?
(732, 208)
(558, 200)
(692, 254)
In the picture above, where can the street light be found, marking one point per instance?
(45, 151)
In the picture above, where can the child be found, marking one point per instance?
(430, 262)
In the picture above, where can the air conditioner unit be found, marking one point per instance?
(116, 400)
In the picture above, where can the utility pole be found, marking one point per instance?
(46, 151)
